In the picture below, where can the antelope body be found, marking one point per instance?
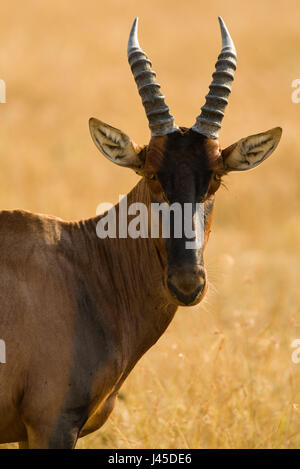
(77, 312)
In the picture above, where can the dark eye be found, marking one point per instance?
(217, 178)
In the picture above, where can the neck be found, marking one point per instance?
(127, 275)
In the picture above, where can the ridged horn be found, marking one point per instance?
(160, 120)
(209, 121)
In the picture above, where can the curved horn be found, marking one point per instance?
(160, 121)
(209, 121)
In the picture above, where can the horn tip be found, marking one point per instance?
(226, 38)
(133, 36)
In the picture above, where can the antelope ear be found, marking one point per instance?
(251, 151)
(115, 145)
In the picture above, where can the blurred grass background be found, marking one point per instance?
(222, 375)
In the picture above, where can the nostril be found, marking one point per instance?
(202, 277)
(187, 281)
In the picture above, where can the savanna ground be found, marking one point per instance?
(222, 375)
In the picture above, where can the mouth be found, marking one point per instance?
(187, 299)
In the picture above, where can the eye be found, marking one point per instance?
(217, 178)
(152, 176)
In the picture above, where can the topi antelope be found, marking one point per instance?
(77, 312)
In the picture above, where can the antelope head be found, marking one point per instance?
(184, 165)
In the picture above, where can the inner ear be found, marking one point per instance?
(115, 145)
(249, 152)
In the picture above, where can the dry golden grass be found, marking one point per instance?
(222, 375)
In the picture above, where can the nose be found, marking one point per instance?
(186, 283)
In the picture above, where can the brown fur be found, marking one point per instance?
(73, 323)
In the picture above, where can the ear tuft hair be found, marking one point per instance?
(115, 144)
(249, 152)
